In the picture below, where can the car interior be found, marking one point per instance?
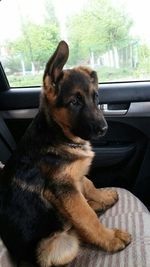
(122, 156)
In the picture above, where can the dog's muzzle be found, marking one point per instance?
(99, 128)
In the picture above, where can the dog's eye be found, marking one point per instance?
(73, 101)
(76, 100)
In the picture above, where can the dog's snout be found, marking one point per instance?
(104, 129)
(100, 127)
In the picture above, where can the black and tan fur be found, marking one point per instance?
(46, 202)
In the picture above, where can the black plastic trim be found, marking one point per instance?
(4, 84)
(21, 98)
(108, 156)
(124, 92)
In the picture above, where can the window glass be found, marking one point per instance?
(111, 36)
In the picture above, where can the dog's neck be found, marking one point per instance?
(75, 145)
(66, 138)
(83, 148)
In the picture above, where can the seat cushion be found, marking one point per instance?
(127, 214)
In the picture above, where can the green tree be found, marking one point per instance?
(98, 28)
(36, 44)
(12, 64)
(143, 60)
(37, 41)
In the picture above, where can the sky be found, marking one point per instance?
(10, 19)
(139, 10)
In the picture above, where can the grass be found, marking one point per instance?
(105, 74)
(25, 81)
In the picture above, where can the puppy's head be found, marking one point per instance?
(72, 97)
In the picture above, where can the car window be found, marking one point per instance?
(111, 36)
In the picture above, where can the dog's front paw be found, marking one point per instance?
(117, 240)
(107, 198)
(111, 197)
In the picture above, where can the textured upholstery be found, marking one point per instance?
(128, 214)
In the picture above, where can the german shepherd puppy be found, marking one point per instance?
(46, 202)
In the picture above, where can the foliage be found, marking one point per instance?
(144, 59)
(25, 81)
(36, 41)
(12, 64)
(108, 74)
(98, 28)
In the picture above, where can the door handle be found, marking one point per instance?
(112, 112)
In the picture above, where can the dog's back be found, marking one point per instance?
(25, 216)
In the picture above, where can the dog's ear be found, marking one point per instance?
(94, 77)
(56, 63)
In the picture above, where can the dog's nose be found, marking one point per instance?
(100, 129)
(104, 129)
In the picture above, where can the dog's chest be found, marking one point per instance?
(80, 166)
